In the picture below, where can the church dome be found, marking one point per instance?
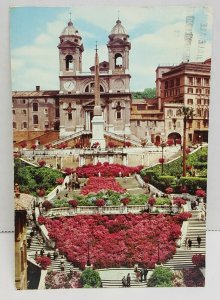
(118, 29)
(70, 30)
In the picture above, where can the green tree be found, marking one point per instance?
(187, 113)
(147, 93)
(161, 277)
(90, 278)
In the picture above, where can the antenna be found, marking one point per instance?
(96, 49)
(202, 37)
(188, 37)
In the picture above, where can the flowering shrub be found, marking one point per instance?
(127, 144)
(106, 170)
(100, 202)
(115, 240)
(125, 201)
(200, 193)
(193, 278)
(111, 144)
(33, 146)
(73, 203)
(198, 260)
(151, 201)
(23, 144)
(184, 216)
(59, 180)
(188, 150)
(96, 184)
(62, 280)
(179, 201)
(43, 261)
(62, 145)
(41, 192)
(47, 204)
(169, 190)
(42, 163)
(41, 220)
(48, 146)
(161, 160)
(68, 171)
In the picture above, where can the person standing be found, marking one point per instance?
(123, 281)
(199, 239)
(145, 273)
(128, 280)
(189, 243)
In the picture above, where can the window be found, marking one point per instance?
(177, 81)
(206, 123)
(206, 114)
(199, 112)
(206, 81)
(169, 113)
(198, 91)
(24, 125)
(190, 137)
(46, 125)
(118, 115)
(199, 101)
(24, 101)
(206, 101)
(35, 119)
(70, 116)
(46, 111)
(14, 125)
(138, 123)
(198, 81)
(171, 83)
(45, 100)
(57, 102)
(35, 106)
(166, 84)
(198, 124)
(141, 106)
(190, 90)
(118, 60)
(190, 101)
(190, 80)
(91, 86)
(69, 63)
(24, 111)
(207, 91)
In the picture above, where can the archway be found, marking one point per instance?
(158, 139)
(176, 137)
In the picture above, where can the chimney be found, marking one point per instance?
(37, 88)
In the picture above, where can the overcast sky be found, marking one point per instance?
(156, 35)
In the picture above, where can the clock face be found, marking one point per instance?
(69, 85)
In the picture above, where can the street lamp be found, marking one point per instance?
(88, 255)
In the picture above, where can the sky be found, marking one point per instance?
(156, 36)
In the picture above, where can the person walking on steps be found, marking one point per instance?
(199, 239)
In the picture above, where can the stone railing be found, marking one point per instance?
(107, 210)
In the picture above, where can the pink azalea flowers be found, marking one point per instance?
(96, 184)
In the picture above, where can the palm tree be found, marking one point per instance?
(187, 113)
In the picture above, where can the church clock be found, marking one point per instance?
(69, 85)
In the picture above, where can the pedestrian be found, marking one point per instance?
(36, 255)
(145, 273)
(48, 255)
(141, 274)
(128, 280)
(189, 243)
(42, 252)
(62, 260)
(29, 242)
(31, 233)
(124, 282)
(199, 239)
(54, 255)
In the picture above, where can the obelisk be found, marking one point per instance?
(98, 120)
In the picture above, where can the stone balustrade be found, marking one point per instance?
(107, 210)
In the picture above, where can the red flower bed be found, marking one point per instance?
(23, 144)
(48, 146)
(62, 145)
(179, 218)
(106, 170)
(115, 241)
(96, 184)
(111, 144)
(43, 261)
(41, 220)
(127, 144)
(179, 201)
(199, 260)
(193, 278)
(183, 189)
(33, 146)
(68, 171)
(200, 193)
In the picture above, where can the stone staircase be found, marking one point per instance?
(70, 137)
(55, 264)
(183, 257)
(108, 283)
